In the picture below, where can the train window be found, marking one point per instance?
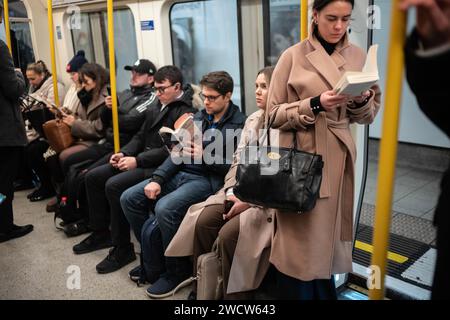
(17, 9)
(283, 19)
(22, 47)
(92, 37)
(82, 38)
(201, 45)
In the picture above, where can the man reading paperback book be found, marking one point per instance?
(353, 83)
(183, 132)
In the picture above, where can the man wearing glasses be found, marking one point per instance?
(176, 187)
(12, 139)
(134, 162)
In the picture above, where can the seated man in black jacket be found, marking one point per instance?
(176, 185)
(132, 106)
(135, 162)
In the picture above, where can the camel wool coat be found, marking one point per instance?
(251, 257)
(318, 243)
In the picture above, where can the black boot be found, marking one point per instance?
(117, 258)
(16, 232)
(96, 241)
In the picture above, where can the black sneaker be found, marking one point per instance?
(16, 232)
(92, 243)
(117, 258)
(167, 286)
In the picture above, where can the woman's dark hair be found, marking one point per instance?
(267, 72)
(97, 73)
(39, 67)
(320, 4)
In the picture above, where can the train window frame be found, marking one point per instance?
(239, 35)
(102, 13)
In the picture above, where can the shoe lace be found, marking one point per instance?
(112, 255)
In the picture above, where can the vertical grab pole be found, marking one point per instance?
(112, 74)
(388, 152)
(304, 20)
(7, 26)
(52, 50)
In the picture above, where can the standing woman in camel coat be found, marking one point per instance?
(308, 248)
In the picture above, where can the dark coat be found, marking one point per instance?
(433, 97)
(147, 145)
(233, 119)
(12, 86)
(133, 104)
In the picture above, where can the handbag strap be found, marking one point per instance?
(269, 126)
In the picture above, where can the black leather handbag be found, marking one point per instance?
(281, 178)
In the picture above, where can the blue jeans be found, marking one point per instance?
(177, 195)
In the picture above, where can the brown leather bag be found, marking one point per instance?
(58, 134)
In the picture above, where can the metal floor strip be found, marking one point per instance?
(412, 249)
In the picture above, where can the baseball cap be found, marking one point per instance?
(142, 66)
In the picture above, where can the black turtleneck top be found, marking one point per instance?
(329, 47)
(316, 106)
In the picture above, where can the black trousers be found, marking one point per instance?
(24, 172)
(104, 186)
(9, 162)
(95, 152)
(441, 281)
(35, 154)
(293, 289)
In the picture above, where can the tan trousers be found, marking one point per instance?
(210, 225)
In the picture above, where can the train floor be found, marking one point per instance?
(42, 265)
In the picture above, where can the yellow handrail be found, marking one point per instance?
(7, 26)
(112, 72)
(304, 20)
(52, 50)
(388, 149)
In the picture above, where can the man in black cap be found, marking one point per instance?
(12, 139)
(132, 106)
(132, 164)
(142, 66)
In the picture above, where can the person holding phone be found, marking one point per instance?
(244, 256)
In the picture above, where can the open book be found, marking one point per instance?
(354, 83)
(183, 131)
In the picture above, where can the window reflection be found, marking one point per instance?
(205, 39)
(92, 37)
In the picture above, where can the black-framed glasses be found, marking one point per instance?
(161, 90)
(209, 98)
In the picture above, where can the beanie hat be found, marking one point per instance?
(77, 62)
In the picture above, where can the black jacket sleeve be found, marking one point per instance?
(166, 171)
(431, 92)
(12, 84)
(136, 144)
(152, 158)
